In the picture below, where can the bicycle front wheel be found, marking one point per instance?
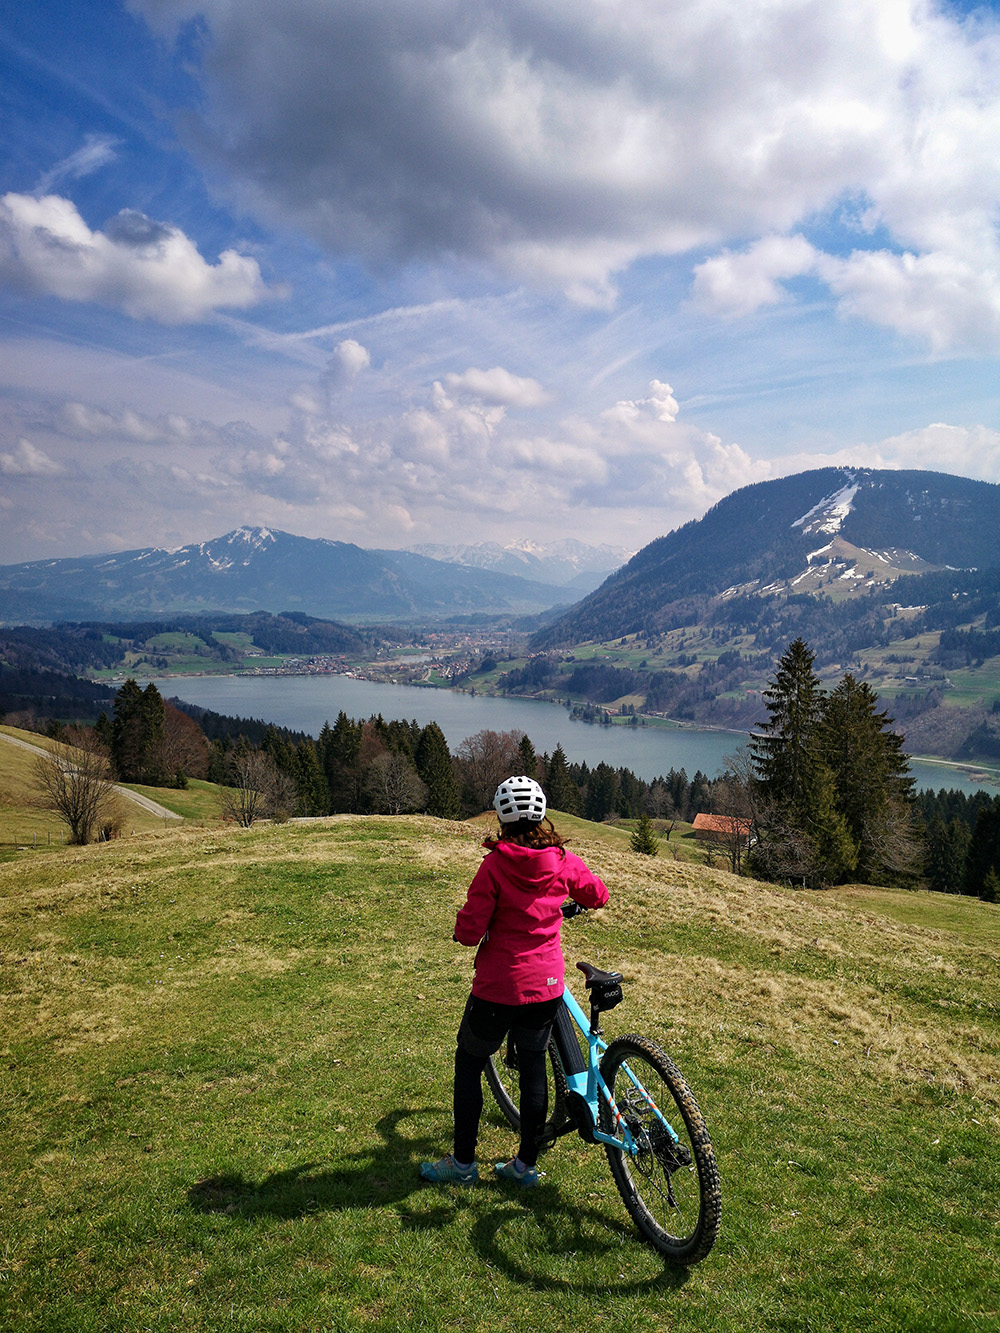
(671, 1190)
(502, 1077)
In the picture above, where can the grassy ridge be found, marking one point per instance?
(224, 1053)
(24, 822)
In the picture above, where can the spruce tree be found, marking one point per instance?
(310, 782)
(154, 716)
(341, 759)
(802, 833)
(783, 749)
(529, 760)
(137, 734)
(437, 773)
(603, 793)
(560, 790)
(871, 779)
(984, 849)
(644, 839)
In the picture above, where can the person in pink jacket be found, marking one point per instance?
(513, 912)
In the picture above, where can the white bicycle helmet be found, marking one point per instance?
(519, 798)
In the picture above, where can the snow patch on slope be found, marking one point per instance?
(828, 515)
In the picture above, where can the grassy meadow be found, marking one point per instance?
(224, 1053)
(26, 823)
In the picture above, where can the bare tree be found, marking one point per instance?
(185, 749)
(485, 759)
(393, 785)
(734, 820)
(75, 782)
(659, 804)
(257, 790)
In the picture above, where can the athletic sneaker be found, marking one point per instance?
(527, 1178)
(445, 1172)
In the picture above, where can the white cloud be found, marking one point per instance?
(128, 425)
(349, 359)
(97, 151)
(738, 284)
(497, 386)
(27, 460)
(661, 405)
(466, 468)
(147, 269)
(965, 451)
(560, 141)
(942, 299)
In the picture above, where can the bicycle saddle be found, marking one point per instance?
(595, 977)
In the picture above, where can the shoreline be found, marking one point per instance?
(990, 775)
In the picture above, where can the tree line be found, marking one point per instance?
(822, 793)
(826, 789)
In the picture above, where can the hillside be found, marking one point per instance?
(848, 530)
(253, 569)
(226, 1053)
(894, 576)
(26, 824)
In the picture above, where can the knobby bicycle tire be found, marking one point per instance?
(671, 1191)
(501, 1075)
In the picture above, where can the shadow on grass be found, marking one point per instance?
(371, 1177)
(385, 1176)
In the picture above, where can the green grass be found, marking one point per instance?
(23, 823)
(224, 1054)
(198, 800)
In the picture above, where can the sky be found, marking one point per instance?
(395, 273)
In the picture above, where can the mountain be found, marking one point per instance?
(253, 569)
(838, 531)
(569, 563)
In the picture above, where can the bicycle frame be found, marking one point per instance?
(591, 1086)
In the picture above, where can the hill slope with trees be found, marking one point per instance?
(758, 541)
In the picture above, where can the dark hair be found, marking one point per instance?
(535, 833)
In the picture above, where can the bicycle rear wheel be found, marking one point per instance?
(671, 1190)
(502, 1077)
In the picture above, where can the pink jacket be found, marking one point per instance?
(513, 912)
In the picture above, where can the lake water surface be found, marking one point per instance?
(304, 703)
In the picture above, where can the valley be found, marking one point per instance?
(891, 576)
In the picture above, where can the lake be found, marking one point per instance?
(304, 703)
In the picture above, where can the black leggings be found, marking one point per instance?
(483, 1029)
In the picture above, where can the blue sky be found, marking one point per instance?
(480, 270)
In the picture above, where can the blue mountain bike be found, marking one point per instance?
(630, 1097)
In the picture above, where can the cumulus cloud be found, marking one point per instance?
(946, 301)
(348, 360)
(147, 269)
(78, 419)
(496, 386)
(561, 141)
(465, 464)
(738, 284)
(965, 451)
(27, 460)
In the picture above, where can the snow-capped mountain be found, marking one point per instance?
(838, 531)
(255, 568)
